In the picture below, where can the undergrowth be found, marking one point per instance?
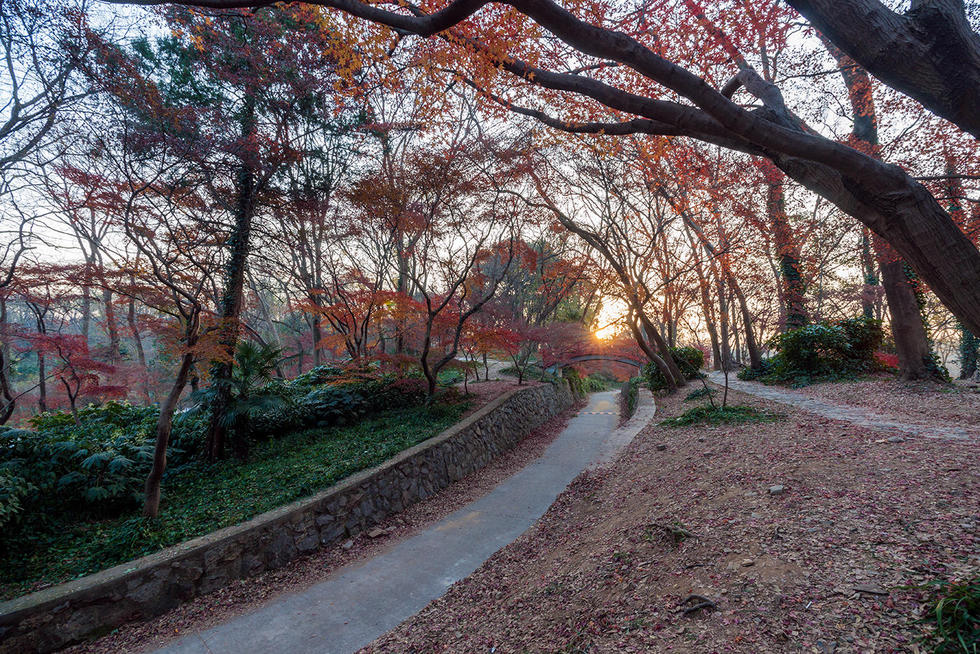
(954, 614)
(207, 497)
(700, 393)
(727, 415)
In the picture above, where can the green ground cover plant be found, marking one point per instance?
(720, 415)
(689, 359)
(47, 548)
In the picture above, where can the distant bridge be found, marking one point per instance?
(617, 358)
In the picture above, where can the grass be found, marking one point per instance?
(729, 415)
(209, 497)
(955, 614)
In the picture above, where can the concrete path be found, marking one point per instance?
(366, 600)
(860, 416)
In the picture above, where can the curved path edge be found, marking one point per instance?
(366, 600)
(856, 415)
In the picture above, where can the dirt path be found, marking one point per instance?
(861, 416)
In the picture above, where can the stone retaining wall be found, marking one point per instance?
(52, 618)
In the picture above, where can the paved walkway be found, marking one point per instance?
(366, 600)
(860, 416)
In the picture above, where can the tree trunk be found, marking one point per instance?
(911, 340)
(969, 353)
(868, 293)
(86, 319)
(140, 352)
(42, 388)
(233, 294)
(726, 352)
(908, 329)
(930, 53)
(9, 401)
(151, 491)
(787, 249)
(655, 358)
(317, 336)
(112, 329)
(755, 359)
(663, 349)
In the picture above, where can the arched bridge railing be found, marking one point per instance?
(558, 365)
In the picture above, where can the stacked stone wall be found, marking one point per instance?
(85, 608)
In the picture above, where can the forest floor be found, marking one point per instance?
(927, 409)
(836, 559)
(941, 404)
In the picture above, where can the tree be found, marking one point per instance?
(250, 85)
(79, 373)
(883, 197)
(910, 333)
(44, 46)
(542, 278)
(624, 234)
(931, 52)
(254, 366)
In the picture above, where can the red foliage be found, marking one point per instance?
(886, 360)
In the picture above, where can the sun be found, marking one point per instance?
(606, 332)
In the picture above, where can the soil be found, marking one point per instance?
(835, 561)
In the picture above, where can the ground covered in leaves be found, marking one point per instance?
(957, 404)
(800, 535)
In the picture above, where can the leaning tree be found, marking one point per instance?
(629, 81)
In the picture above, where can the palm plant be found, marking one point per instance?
(253, 368)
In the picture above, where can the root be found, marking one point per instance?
(702, 603)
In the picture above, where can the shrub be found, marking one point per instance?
(96, 469)
(886, 361)
(574, 381)
(822, 350)
(594, 384)
(763, 371)
(689, 359)
(449, 376)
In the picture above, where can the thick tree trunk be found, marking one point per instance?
(755, 358)
(151, 491)
(652, 334)
(930, 53)
(911, 340)
(655, 358)
(908, 330)
(969, 353)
